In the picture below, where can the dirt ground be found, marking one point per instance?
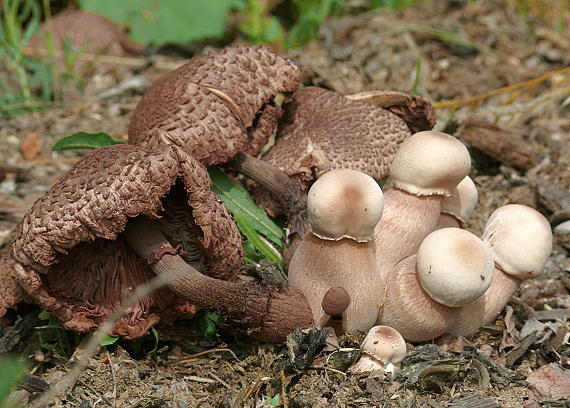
(506, 43)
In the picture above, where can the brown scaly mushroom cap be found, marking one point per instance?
(83, 28)
(418, 112)
(72, 259)
(11, 293)
(323, 130)
(344, 206)
(215, 105)
(520, 239)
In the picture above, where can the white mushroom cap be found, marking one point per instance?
(455, 267)
(462, 201)
(383, 349)
(520, 239)
(344, 203)
(430, 163)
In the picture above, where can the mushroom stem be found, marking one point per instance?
(276, 181)
(486, 309)
(269, 313)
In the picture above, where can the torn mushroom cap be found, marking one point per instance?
(322, 130)
(430, 163)
(455, 267)
(215, 105)
(520, 239)
(70, 255)
(457, 207)
(344, 203)
(383, 349)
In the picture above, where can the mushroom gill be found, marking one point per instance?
(70, 254)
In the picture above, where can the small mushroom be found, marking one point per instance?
(383, 349)
(335, 302)
(457, 207)
(520, 239)
(75, 254)
(215, 105)
(426, 168)
(424, 292)
(343, 208)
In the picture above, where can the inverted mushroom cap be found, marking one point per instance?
(462, 201)
(454, 266)
(70, 255)
(430, 163)
(344, 203)
(383, 349)
(520, 239)
(215, 105)
(11, 293)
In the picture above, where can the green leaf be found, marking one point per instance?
(207, 321)
(159, 22)
(249, 232)
(83, 140)
(12, 369)
(243, 208)
(106, 340)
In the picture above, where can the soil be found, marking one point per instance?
(496, 44)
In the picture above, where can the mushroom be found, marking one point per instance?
(383, 349)
(215, 105)
(85, 29)
(11, 293)
(426, 168)
(343, 208)
(323, 130)
(425, 291)
(73, 258)
(457, 207)
(416, 111)
(335, 302)
(520, 239)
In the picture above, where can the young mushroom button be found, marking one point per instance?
(383, 349)
(426, 168)
(425, 291)
(343, 208)
(520, 239)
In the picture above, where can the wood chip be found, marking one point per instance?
(501, 145)
(31, 146)
(549, 383)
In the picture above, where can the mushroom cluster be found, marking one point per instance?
(431, 276)
(360, 259)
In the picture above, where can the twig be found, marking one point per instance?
(114, 379)
(328, 369)
(94, 391)
(109, 59)
(455, 104)
(93, 344)
(218, 379)
(201, 353)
